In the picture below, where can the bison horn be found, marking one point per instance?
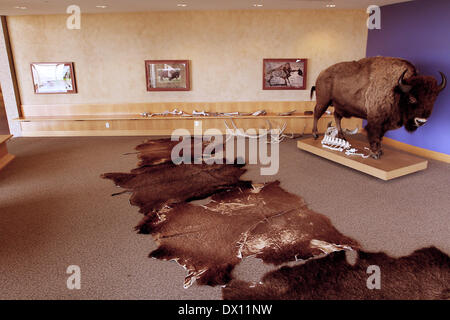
(404, 87)
(443, 83)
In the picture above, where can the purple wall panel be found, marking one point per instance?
(419, 31)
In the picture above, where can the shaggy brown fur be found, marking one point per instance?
(266, 222)
(240, 220)
(369, 89)
(154, 152)
(425, 274)
(158, 182)
(156, 186)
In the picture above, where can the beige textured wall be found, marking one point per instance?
(226, 49)
(7, 81)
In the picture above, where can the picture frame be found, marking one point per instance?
(167, 75)
(284, 74)
(53, 77)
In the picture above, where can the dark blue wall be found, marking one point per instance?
(419, 31)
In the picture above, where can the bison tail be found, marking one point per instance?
(313, 88)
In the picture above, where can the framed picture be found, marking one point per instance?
(53, 77)
(284, 74)
(167, 75)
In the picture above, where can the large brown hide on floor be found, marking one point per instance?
(268, 222)
(154, 152)
(425, 274)
(154, 187)
(240, 220)
(158, 182)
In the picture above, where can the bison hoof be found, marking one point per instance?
(376, 155)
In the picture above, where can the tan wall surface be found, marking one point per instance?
(226, 49)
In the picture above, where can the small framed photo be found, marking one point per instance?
(284, 74)
(167, 75)
(53, 77)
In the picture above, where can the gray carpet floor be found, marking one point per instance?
(55, 211)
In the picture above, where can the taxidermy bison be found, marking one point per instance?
(387, 92)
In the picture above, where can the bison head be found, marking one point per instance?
(418, 94)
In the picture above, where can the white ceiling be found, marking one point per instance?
(7, 7)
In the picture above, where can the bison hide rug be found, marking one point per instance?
(425, 275)
(235, 219)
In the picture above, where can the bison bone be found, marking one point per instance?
(287, 113)
(200, 113)
(333, 148)
(238, 132)
(275, 135)
(259, 113)
(164, 113)
(330, 141)
(352, 152)
(229, 114)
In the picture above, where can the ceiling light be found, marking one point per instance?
(182, 5)
(21, 8)
(257, 5)
(331, 5)
(101, 7)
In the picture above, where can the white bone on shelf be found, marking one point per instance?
(126, 119)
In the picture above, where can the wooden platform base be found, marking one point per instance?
(5, 157)
(392, 164)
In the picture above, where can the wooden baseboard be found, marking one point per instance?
(5, 160)
(430, 154)
(5, 157)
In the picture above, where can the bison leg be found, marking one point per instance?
(287, 81)
(319, 110)
(337, 119)
(374, 135)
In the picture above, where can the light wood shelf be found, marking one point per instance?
(125, 119)
(5, 157)
(168, 117)
(5, 137)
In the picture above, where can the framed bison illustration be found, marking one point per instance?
(167, 75)
(284, 74)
